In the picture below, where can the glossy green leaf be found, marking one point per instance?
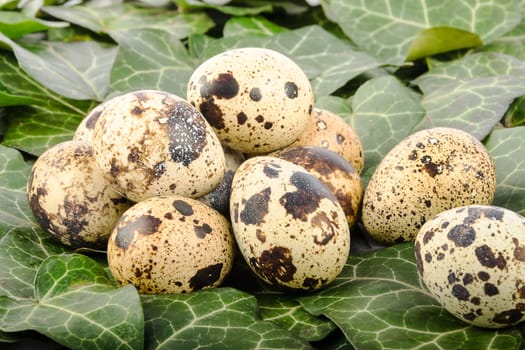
(476, 65)
(286, 312)
(220, 318)
(15, 24)
(379, 302)
(474, 105)
(329, 62)
(388, 28)
(117, 19)
(249, 8)
(151, 59)
(384, 112)
(77, 70)
(14, 209)
(506, 149)
(515, 115)
(77, 307)
(242, 26)
(35, 129)
(436, 40)
(22, 251)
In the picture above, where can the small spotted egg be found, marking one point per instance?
(426, 173)
(84, 130)
(289, 227)
(219, 198)
(171, 244)
(149, 143)
(70, 199)
(335, 172)
(257, 100)
(472, 259)
(328, 130)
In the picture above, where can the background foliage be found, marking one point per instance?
(388, 67)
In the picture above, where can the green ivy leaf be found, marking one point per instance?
(473, 105)
(511, 43)
(251, 26)
(286, 312)
(506, 149)
(436, 40)
(379, 302)
(14, 209)
(15, 24)
(387, 29)
(117, 19)
(328, 61)
(476, 65)
(77, 307)
(151, 59)
(35, 129)
(384, 112)
(77, 70)
(515, 115)
(222, 318)
(22, 251)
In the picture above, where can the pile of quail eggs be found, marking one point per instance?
(174, 187)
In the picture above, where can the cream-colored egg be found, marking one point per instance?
(472, 259)
(70, 199)
(289, 227)
(150, 143)
(84, 130)
(257, 100)
(426, 173)
(334, 171)
(171, 244)
(328, 130)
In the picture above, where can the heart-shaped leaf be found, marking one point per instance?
(506, 149)
(379, 302)
(388, 28)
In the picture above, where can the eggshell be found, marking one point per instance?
(150, 143)
(335, 172)
(426, 173)
(70, 199)
(257, 100)
(289, 227)
(328, 130)
(472, 259)
(171, 244)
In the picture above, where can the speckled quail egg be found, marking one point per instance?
(171, 244)
(328, 130)
(289, 227)
(149, 143)
(426, 173)
(257, 100)
(472, 259)
(70, 199)
(335, 172)
(84, 130)
(219, 198)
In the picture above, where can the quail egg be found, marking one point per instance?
(472, 259)
(257, 100)
(149, 143)
(84, 130)
(289, 227)
(219, 198)
(70, 199)
(171, 244)
(328, 130)
(426, 173)
(335, 172)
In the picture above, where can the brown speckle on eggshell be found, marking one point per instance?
(289, 227)
(70, 199)
(171, 244)
(426, 173)
(149, 143)
(257, 100)
(471, 258)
